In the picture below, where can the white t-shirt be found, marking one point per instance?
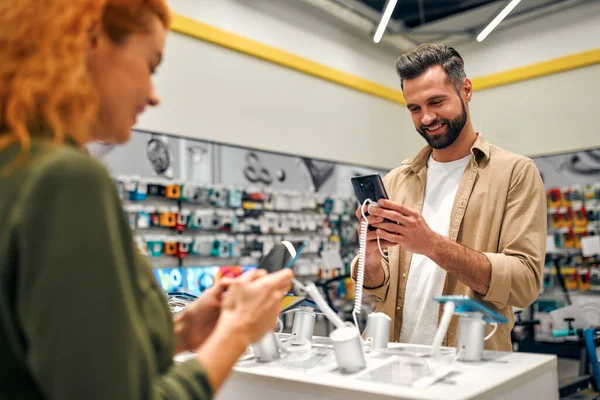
(426, 278)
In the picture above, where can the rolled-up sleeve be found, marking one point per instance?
(380, 292)
(518, 266)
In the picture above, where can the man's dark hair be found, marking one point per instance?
(413, 64)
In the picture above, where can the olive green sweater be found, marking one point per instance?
(81, 316)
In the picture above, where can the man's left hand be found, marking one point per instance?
(408, 228)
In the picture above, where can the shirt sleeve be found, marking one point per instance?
(518, 266)
(77, 298)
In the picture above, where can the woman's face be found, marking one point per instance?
(122, 74)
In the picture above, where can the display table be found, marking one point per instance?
(501, 376)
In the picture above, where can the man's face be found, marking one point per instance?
(438, 111)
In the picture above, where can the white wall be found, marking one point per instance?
(212, 93)
(561, 34)
(296, 27)
(546, 115)
(549, 115)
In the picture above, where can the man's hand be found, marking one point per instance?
(410, 231)
(374, 276)
(408, 228)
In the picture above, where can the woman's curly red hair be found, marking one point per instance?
(45, 86)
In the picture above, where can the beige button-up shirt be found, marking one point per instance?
(499, 210)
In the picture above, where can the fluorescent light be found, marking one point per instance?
(385, 19)
(496, 21)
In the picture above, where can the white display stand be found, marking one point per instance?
(501, 376)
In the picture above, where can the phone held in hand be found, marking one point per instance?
(369, 187)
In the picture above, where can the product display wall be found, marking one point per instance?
(572, 181)
(201, 211)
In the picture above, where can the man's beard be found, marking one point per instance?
(453, 129)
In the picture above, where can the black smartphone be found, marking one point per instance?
(283, 255)
(369, 187)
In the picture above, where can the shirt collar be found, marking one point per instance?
(481, 147)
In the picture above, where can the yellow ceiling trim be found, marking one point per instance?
(220, 37)
(256, 49)
(533, 71)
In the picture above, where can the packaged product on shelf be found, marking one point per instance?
(188, 191)
(583, 281)
(140, 191)
(579, 233)
(217, 196)
(144, 219)
(568, 238)
(132, 211)
(170, 245)
(595, 279)
(202, 245)
(556, 218)
(156, 189)
(173, 191)
(155, 218)
(566, 196)
(183, 218)
(155, 245)
(201, 219)
(566, 217)
(570, 275)
(220, 247)
(328, 205)
(168, 216)
(183, 246)
(579, 215)
(235, 246)
(592, 214)
(235, 197)
(225, 220)
(589, 193)
(554, 198)
(282, 224)
(577, 194)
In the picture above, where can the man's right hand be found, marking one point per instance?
(373, 271)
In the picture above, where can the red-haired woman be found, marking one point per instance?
(81, 316)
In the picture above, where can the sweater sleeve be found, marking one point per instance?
(77, 299)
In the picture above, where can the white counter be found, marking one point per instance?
(501, 376)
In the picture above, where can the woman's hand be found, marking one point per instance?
(249, 310)
(198, 320)
(251, 305)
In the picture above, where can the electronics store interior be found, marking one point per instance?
(299, 199)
